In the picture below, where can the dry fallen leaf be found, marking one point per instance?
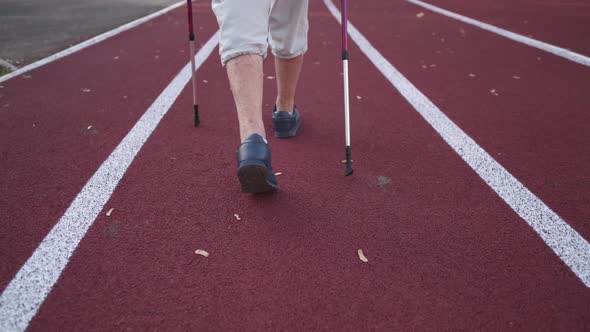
(205, 81)
(89, 127)
(86, 90)
(424, 66)
(471, 75)
(420, 15)
(237, 216)
(116, 58)
(362, 256)
(359, 97)
(202, 252)
(516, 77)
(109, 212)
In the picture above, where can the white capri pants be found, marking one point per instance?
(250, 26)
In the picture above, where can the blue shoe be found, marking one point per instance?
(285, 123)
(254, 166)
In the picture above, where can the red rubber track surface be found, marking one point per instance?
(563, 23)
(48, 150)
(445, 252)
(537, 125)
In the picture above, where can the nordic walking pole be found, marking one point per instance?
(191, 39)
(349, 169)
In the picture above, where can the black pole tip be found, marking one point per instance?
(197, 119)
(349, 169)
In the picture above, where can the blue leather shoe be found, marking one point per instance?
(285, 123)
(254, 166)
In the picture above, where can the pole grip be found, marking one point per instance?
(191, 29)
(344, 26)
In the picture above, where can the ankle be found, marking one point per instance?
(285, 105)
(250, 133)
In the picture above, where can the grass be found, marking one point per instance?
(4, 71)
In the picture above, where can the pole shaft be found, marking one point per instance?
(345, 71)
(344, 22)
(191, 40)
(346, 103)
(193, 70)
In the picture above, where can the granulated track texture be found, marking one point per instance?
(443, 250)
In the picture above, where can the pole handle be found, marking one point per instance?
(344, 27)
(191, 30)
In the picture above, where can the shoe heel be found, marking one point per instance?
(253, 177)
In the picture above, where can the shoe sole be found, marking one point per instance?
(253, 179)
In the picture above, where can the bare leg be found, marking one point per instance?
(287, 77)
(245, 77)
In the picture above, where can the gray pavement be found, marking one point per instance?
(33, 29)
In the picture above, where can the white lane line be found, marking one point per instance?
(89, 42)
(562, 52)
(570, 246)
(28, 289)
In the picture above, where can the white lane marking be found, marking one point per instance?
(562, 52)
(89, 42)
(570, 246)
(26, 292)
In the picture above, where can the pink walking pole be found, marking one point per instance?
(349, 169)
(191, 38)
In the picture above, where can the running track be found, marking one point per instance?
(445, 250)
